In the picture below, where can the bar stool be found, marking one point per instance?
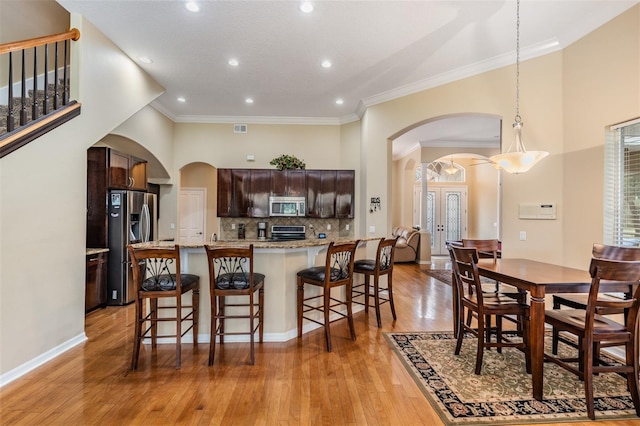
(381, 265)
(337, 272)
(231, 274)
(156, 275)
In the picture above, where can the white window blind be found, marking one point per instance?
(622, 185)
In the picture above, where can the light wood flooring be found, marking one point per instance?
(292, 383)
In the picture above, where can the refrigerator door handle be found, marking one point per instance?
(146, 223)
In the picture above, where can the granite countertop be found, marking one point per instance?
(92, 251)
(258, 244)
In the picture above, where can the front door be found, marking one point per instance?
(191, 210)
(446, 215)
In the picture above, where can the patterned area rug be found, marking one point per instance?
(444, 275)
(502, 393)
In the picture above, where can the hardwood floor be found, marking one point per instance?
(291, 383)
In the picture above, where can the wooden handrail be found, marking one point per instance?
(72, 34)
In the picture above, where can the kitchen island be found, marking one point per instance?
(279, 261)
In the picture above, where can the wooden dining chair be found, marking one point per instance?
(381, 266)
(590, 328)
(231, 274)
(156, 275)
(473, 299)
(336, 272)
(579, 301)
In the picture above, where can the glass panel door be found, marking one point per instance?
(446, 216)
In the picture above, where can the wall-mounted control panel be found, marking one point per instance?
(537, 211)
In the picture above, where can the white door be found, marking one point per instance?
(446, 215)
(191, 208)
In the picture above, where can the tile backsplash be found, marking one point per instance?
(313, 226)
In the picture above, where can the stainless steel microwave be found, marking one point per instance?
(287, 206)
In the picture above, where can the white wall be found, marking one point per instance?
(43, 209)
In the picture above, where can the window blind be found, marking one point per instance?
(622, 184)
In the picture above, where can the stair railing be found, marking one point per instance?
(53, 101)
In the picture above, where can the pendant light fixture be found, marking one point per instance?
(520, 160)
(451, 169)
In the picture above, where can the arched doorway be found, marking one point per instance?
(466, 140)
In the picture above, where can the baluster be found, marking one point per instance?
(34, 96)
(56, 95)
(23, 108)
(45, 107)
(65, 85)
(10, 122)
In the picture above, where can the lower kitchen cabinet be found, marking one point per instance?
(96, 282)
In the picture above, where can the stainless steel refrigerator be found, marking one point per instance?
(132, 219)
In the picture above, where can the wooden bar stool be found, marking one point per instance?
(156, 275)
(337, 272)
(380, 266)
(231, 274)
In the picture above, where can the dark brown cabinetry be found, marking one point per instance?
(108, 169)
(243, 192)
(246, 192)
(289, 183)
(96, 281)
(345, 189)
(321, 193)
(126, 171)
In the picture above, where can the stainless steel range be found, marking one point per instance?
(287, 232)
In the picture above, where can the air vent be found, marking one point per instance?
(239, 128)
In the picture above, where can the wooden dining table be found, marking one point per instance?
(539, 279)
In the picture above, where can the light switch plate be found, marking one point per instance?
(523, 235)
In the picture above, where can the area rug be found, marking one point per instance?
(444, 275)
(502, 393)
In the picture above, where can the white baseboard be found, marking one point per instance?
(36, 362)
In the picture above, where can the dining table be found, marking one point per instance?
(538, 279)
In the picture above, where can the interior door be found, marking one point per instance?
(191, 207)
(446, 215)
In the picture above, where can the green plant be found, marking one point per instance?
(287, 162)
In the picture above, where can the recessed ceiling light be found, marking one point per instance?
(249, 100)
(326, 64)
(192, 6)
(339, 101)
(145, 60)
(306, 7)
(181, 99)
(233, 62)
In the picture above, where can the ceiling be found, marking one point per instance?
(379, 50)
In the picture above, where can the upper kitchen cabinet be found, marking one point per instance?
(289, 183)
(224, 193)
(321, 193)
(243, 192)
(345, 190)
(260, 190)
(124, 171)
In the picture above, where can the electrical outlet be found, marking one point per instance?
(172, 226)
(347, 226)
(372, 229)
(233, 226)
(328, 227)
(523, 235)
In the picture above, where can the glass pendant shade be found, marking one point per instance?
(520, 160)
(452, 170)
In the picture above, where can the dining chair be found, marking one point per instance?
(579, 301)
(487, 248)
(156, 275)
(337, 272)
(473, 299)
(381, 266)
(589, 328)
(231, 274)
